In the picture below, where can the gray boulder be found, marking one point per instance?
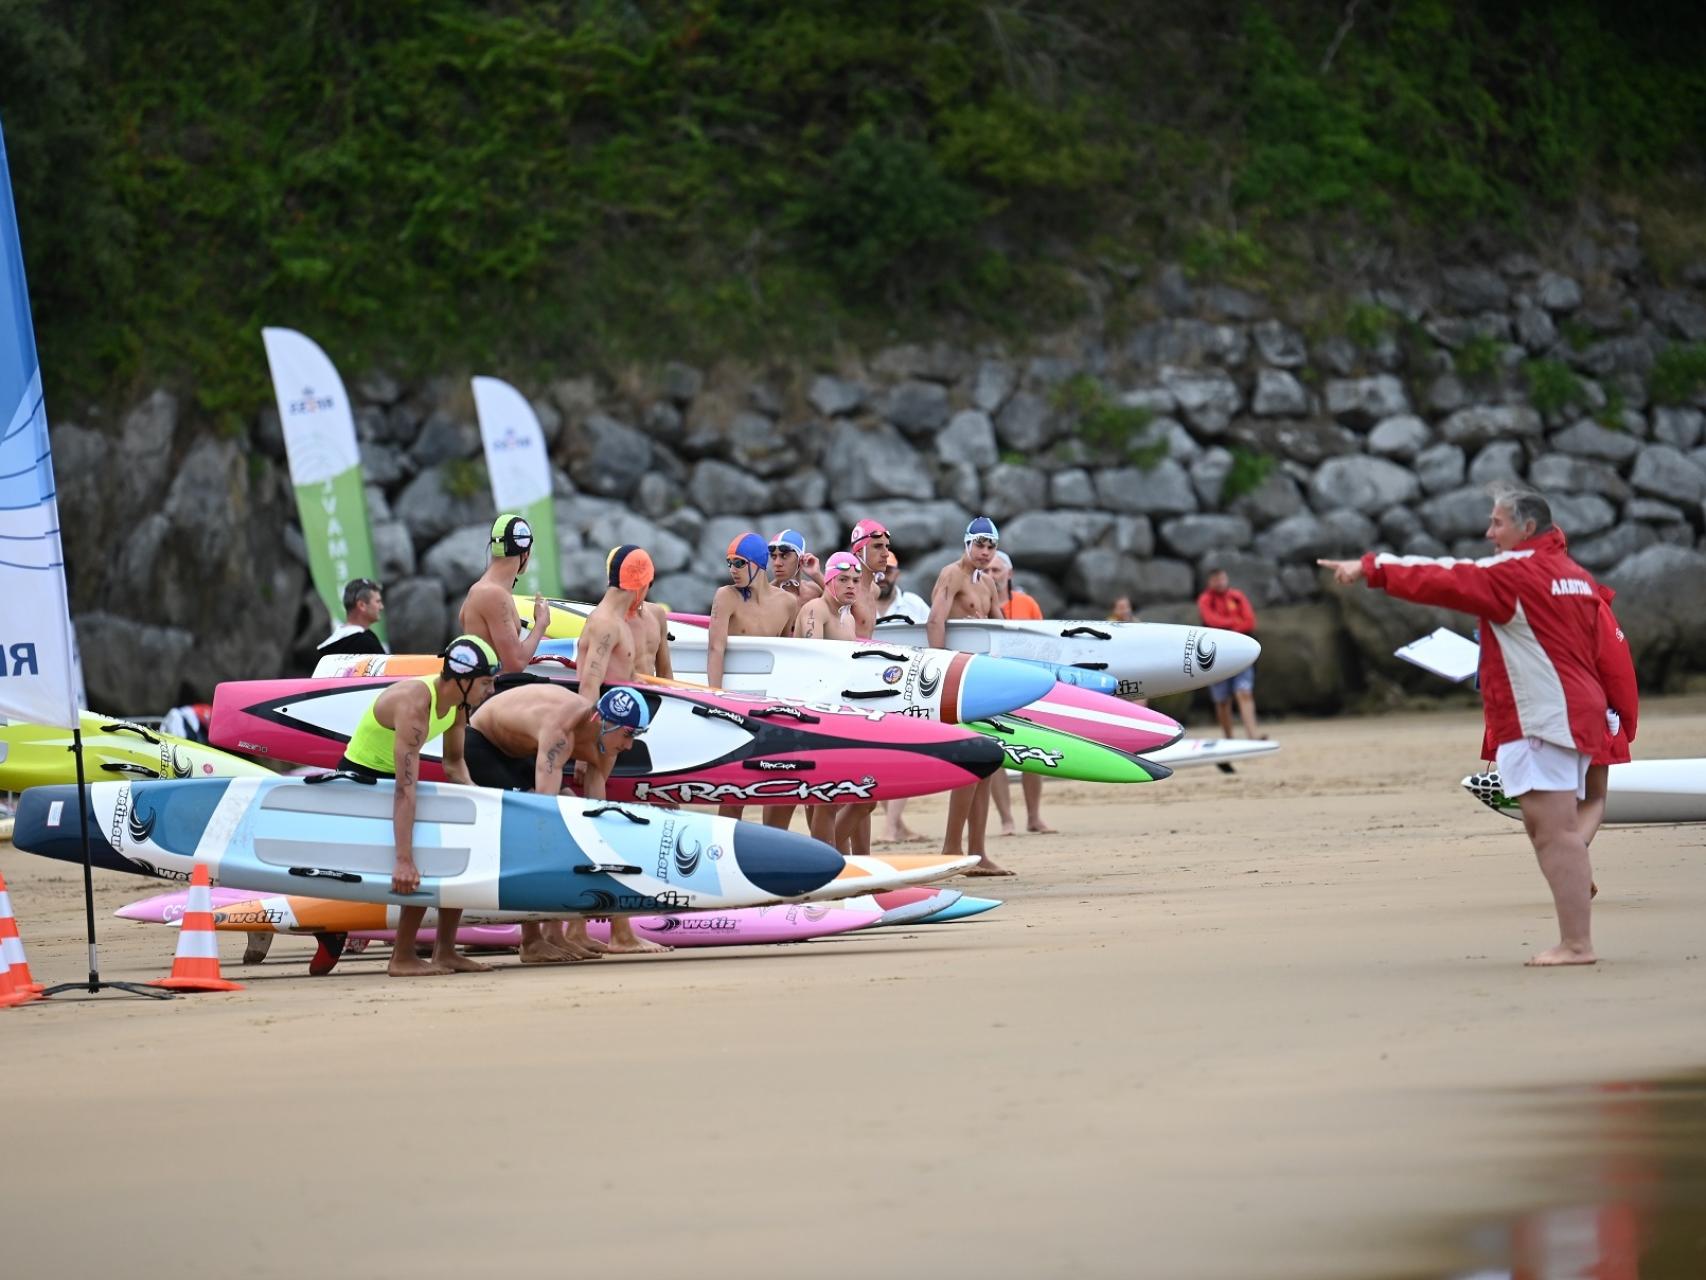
(1310, 441)
(756, 444)
(1337, 354)
(655, 497)
(1475, 288)
(1661, 602)
(918, 408)
(1535, 330)
(1679, 428)
(1652, 510)
(669, 552)
(1207, 397)
(1164, 489)
(1425, 545)
(992, 384)
(1134, 535)
(417, 615)
(1581, 514)
(680, 382)
(1379, 624)
(1440, 467)
(1187, 342)
(1209, 474)
(130, 667)
(1398, 525)
(1361, 483)
(959, 482)
(1156, 400)
(1278, 395)
(394, 551)
(1587, 439)
(1279, 345)
(684, 592)
(1349, 533)
(1026, 423)
(1557, 292)
(1049, 539)
(1071, 488)
(1101, 574)
(685, 522)
(1402, 437)
(459, 557)
(384, 464)
(1500, 460)
(1276, 497)
(1480, 424)
(969, 437)
(1664, 472)
(1303, 537)
(1447, 394)
(808, 488)
(910, 524)
(1682, 314)
(1192, 536)
(1460, 513)
(1305, 660)
(1611, 548)
(727, 489)
(443, 438)
(1010, 489)
(1159, 580)
(607, 457)
(430, 510)
(1561, 473)
(874, 462)
(833, 396)
(1362, 401)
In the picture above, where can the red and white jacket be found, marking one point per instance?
(1540, 635)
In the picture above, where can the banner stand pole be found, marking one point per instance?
(94, 986)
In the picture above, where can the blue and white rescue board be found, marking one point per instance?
(476, 848)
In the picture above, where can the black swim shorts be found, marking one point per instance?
(489, 767)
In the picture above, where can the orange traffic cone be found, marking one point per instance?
(196, 966)
(9, 993)
(12, 950)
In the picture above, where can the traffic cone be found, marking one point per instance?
(196, 965)
(9, 993)
(12, 949)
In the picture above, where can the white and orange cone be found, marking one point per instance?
(196, 965)
(9, 993)
(12, 952)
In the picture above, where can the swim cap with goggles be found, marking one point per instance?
(789, 540)
(752, 549)
(839, 563)
(467, 659)
(982, 527)
(623, 708)
(865, 530)
(511, 536)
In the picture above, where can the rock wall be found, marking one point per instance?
(1217, 432)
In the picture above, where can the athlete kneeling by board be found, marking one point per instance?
(387, 743)
(523, 738)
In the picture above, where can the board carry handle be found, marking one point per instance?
(635, 818)
(793, 713)
(1091, 666)
(347, 775)
(870, 693)
(994, 726)
(608, 868)
(323, 873)
(118, 726)
(881, 653)
(1073, 632)
(892, 617)
(134, 770)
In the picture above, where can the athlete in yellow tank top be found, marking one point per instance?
(387, 744)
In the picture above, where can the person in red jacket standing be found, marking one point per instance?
(1541, 693)
(1221, 605)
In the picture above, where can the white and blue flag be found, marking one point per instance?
(38, 666)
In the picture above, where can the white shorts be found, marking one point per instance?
(1530, 764)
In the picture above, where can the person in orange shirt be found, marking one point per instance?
(1229, 609)
(1016, 604)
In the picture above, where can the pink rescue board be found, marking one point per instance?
(1112, 722)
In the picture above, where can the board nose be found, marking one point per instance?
(994, 686)
(784, 863)
(47, 824)
(1234, 652)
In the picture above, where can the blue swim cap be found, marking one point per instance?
(789, 538)
(749, 546)
(625, 708)
(982, 527)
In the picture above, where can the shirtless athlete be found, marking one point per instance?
(748, 606)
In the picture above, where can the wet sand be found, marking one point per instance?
(1267, 1025)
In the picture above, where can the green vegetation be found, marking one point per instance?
(1367, 323)
(1478, 357)
(1249, 470)
(1553, 386)
(1610, 415)
(465, 478)
(1679, 373)
(591, 183)
(1122, 429)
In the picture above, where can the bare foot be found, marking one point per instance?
(1006, 828)
(906, 835)
(1041, 828)
(542, 952)
(986, 867)
(456, 962)
(404, 965)
(624, 942)
(1561, 954)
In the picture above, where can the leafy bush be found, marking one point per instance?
(1679, 373)
(1123, 429)
(1249, 469)
(1478, 357)
(1553, 386)
(1366, 323)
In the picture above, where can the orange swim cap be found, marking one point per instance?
(630, 568)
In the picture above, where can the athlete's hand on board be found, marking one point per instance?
(405, 876)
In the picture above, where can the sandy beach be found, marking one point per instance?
(1268, 1025)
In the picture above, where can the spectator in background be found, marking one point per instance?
(1221, 605)
(893, 602)
(1122, 611)
(364, 603)
(1015, 603)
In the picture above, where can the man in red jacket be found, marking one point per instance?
(1540, 686)
(1229, 609)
